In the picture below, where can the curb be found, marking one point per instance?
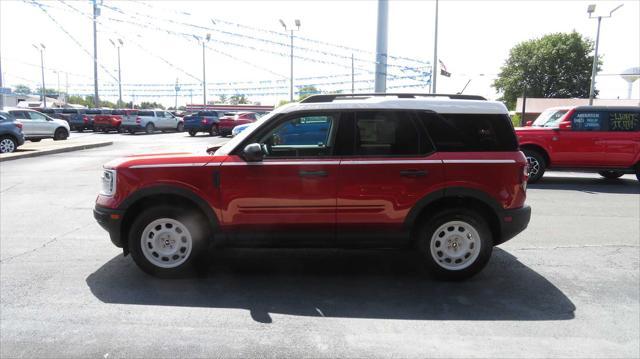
(37, 153)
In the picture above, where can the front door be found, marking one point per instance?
(583, 144)
(291, 194)
(42, 126)
(390, 166)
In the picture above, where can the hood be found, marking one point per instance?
(164, 160)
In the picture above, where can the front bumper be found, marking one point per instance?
(512, 222)
(111, 221)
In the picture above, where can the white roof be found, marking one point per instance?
(437, 104)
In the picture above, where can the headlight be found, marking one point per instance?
(108, 180)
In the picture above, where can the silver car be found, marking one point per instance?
(37, 126)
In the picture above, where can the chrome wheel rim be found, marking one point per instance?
(166, 243)
(534, 166)
(455, 245)
(7, 146)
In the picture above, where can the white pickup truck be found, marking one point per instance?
(151, 120)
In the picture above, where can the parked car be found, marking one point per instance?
(151, 120)
(441, 175)
(228, 122)
(53, 113)
(588, 138)
(36, 125)
(236, 130)
(11, 136)
(203, 121)
(111, 121)
(83, 119)
(549, 117)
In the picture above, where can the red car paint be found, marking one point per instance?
(227, 123)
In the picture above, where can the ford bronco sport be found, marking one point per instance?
(440, 173)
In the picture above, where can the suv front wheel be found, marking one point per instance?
(166, 241)
(455, 244)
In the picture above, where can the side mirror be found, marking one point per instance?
(564, 125)
(528, 123)
(253, 152)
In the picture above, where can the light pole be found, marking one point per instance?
(297, 22)
(96, 13)
(177, 88)
(380, 84)
(43, 90)
(204, 68)
(590, 9)
(117, 46)
(434, 67)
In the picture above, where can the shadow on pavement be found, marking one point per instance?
(339, 283)
(589, 185)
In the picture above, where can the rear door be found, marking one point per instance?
(293, 190)
(29, 126)
(388, 163)
(583, 144)
(622, 139)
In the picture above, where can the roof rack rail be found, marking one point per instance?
(332, 97)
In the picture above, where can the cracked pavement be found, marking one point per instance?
(569, 286)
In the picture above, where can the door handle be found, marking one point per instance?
(413, 173)
(312, 173)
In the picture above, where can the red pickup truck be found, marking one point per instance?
(109, 121)
(601, 139)
(443, 176)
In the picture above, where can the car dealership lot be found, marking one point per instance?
(568, 286)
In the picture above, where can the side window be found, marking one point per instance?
(387, 133)
(624, 121)
(160, 114)
(36, 116)
(300, 137)
(20, 115)
(588, 121)
(470, 132)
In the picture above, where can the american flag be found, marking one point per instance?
(443, 69)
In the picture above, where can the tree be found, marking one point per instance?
(306, 91)
(223, 99)
(22, 90)
(554, 66)
(238, 99)
(48, 92)
(150, 105)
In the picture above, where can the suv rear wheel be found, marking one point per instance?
(7, 144)
(192, 133)
(213, 131)
(610, 174)
(537, 165)
(166, 241)
(455, 244)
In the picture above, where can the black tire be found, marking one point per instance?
(180, 127)
(80, 129)
(610, 174)
(35, 139)
(537, 165)
(132, 131)
(8, 144)
(638, 171)
(431, 231)
(105, 130)
(213, 131)
(149, 128)
(195, 225)
(192, 133)
(60, 134)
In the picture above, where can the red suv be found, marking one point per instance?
(441, 173)
(587, 138)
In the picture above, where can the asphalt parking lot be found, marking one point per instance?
(569, 286)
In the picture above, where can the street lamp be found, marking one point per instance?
(590, 10)
(117, 46)
(204, 66)
(41, 48)
(297, 23)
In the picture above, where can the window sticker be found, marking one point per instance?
(624, 121)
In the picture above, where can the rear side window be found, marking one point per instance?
(145, 113)
(70, 111)
(93, 112)
(588, 121)
(624, 121)
(388, 133)
(470, 132)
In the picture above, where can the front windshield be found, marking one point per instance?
(549, 118)
(229, 146)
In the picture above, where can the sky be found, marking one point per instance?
(248, 51)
